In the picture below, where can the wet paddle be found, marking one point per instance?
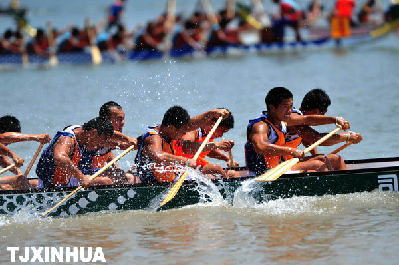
(113, 161)
(385, 29)
(173, 191)
(169, 25)
(96, 57)
(7, 168)
(29, 167)
(274, 174)
(53, 60)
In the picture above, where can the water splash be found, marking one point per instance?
(209, 194)
(250, 193)
(24, 216)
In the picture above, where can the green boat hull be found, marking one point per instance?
(140, 197)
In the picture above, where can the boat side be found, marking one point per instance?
(139, 196)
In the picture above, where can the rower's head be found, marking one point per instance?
(174, 120)
(225, 125)
(7, 34)
(113, 112)
(315, 102)
(9, 123)
(279, 102)
(101, 129)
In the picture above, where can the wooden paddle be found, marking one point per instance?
(274, 174)
(248, 17)
(231, 160)
(7, 168)
(29, 167)
(385, 29)
(113, 161)
(173, 191)
(169, 25)
(339, 149)
(209, 12)
(53, 60)
(96, 57)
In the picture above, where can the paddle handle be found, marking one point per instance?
(209, 12)
(7, 168)
(113, 161)
(202, 146)
(29, 167)
(321, 140)
(339, 149)
(173, 191)
(231, 160)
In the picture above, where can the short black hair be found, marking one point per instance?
(103, 126)
(176, 116)
(276, 95)
(8, 34)
(316, 99)
(227, 122)
(105, 109)
(9, 123)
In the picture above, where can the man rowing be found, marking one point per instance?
(113, 112)
(77, 152)
(316, 102)
(10, 132)
(156, 159)
(290, 15)
(267, 144)
(199, 136)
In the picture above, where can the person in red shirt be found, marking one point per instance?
(341, 18)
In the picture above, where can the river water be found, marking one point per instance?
(344, 229)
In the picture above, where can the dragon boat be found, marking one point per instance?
(362, 176)
(188, 52)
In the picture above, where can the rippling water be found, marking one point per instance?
(344, 229)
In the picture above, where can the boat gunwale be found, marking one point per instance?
(240, 179)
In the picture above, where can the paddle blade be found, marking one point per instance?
(96, 55)
(271, 171)
(276, 174)
(53, 60)
(173, 191)
(385, 29)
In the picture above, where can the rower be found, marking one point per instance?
(199, 136)
(189, 38)
(113, 112)
(72, 43)
(10, 132)
(290, 15)
(5, 42)
(341, 19)
(115, 14)
(76, 152)
(316, 102)
(156, 160)
(39, 45)
(267, 145)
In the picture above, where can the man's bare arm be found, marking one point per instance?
(314, 120)
(153, 149)
(259, 139)
(14, 137)
(63, 149)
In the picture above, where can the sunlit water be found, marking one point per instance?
(344, 229)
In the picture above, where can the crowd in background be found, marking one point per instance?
(203, 29)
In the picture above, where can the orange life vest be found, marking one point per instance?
(178, 148)
(165, 173)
